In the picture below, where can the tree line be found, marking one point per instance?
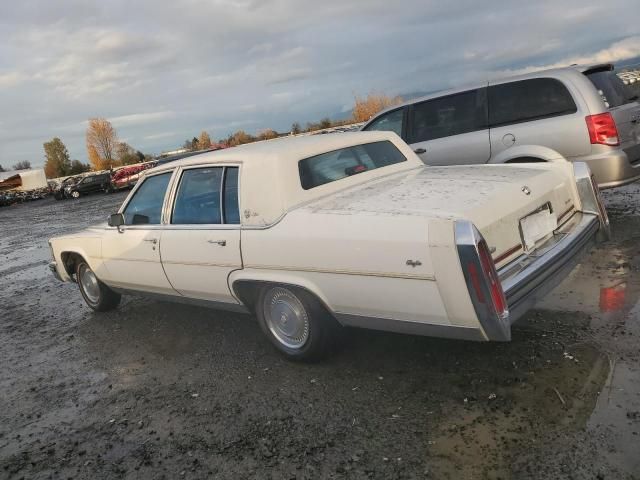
(106, 151)
(22, 165)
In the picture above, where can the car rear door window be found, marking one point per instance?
(446, 116)
(389, 122)
(198, 200)
(614, 91)
(145, 208)
(528, 100)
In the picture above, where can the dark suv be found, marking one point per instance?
(89, 184)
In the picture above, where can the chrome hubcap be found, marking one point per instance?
(89, 284)
(286, 317)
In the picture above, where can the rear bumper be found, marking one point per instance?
(613, 169)
(530, 277)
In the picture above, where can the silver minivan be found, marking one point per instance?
(578, 113)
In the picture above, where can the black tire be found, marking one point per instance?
(320, 331)
(75, 194)
(98, 296)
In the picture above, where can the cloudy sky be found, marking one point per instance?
(164, 71)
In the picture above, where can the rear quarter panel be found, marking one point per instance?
(356, 263)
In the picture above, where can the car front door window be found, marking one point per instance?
(145, 208)
(389, 122)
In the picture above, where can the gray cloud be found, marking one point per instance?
(163, 72)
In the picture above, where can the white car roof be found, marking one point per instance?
(270, 179)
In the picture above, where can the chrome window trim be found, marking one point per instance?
(170, 201)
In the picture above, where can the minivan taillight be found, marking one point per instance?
(602, 129)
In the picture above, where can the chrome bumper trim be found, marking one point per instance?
(530, 277)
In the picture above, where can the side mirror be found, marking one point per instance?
(116, 220)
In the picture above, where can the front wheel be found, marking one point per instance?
(295, 322)
(95, 293)
(75, 194)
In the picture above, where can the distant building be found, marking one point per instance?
(23, 180)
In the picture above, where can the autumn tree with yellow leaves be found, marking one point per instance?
(365, 108)
(102, 142)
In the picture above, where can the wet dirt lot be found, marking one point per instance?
(157, 390)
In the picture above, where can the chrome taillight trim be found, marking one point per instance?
(590, 198)
(468, 238)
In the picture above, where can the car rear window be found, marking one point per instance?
(345, 162)
(528, 100)
(613, 90)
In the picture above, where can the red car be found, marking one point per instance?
(127, 177)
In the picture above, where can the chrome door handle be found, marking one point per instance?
(152, 240)
(222, 243)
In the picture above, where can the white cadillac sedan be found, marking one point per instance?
(314, 233)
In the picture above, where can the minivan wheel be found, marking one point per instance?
(75, 194)
(95, 293)
(295, 322)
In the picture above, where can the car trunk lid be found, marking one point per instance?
(494, 197)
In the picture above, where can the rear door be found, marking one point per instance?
(200, 246)
(624, 107)
(450, 130)
(537, 111)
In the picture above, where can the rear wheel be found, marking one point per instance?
(95, 293)
(295, 322)
(75, 194)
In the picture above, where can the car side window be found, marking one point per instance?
(389, 122)
(198, 200)
(145, 208)
(528, 100)
(447, 116)
(231, 208)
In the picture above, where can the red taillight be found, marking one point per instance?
(495, 287)
(602, 129)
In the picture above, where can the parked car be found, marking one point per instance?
(89, 184)
(127, 177)
(581, 114)
(315, 232)
(59, 189)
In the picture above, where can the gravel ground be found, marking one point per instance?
(157, 390)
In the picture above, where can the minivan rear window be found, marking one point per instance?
(345, 162)
(528, 100)
(614, 91)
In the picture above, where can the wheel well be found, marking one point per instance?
(248, 291)
(70, 261)
(525, 160)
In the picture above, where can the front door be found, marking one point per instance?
(132, 252)
(200, 246)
